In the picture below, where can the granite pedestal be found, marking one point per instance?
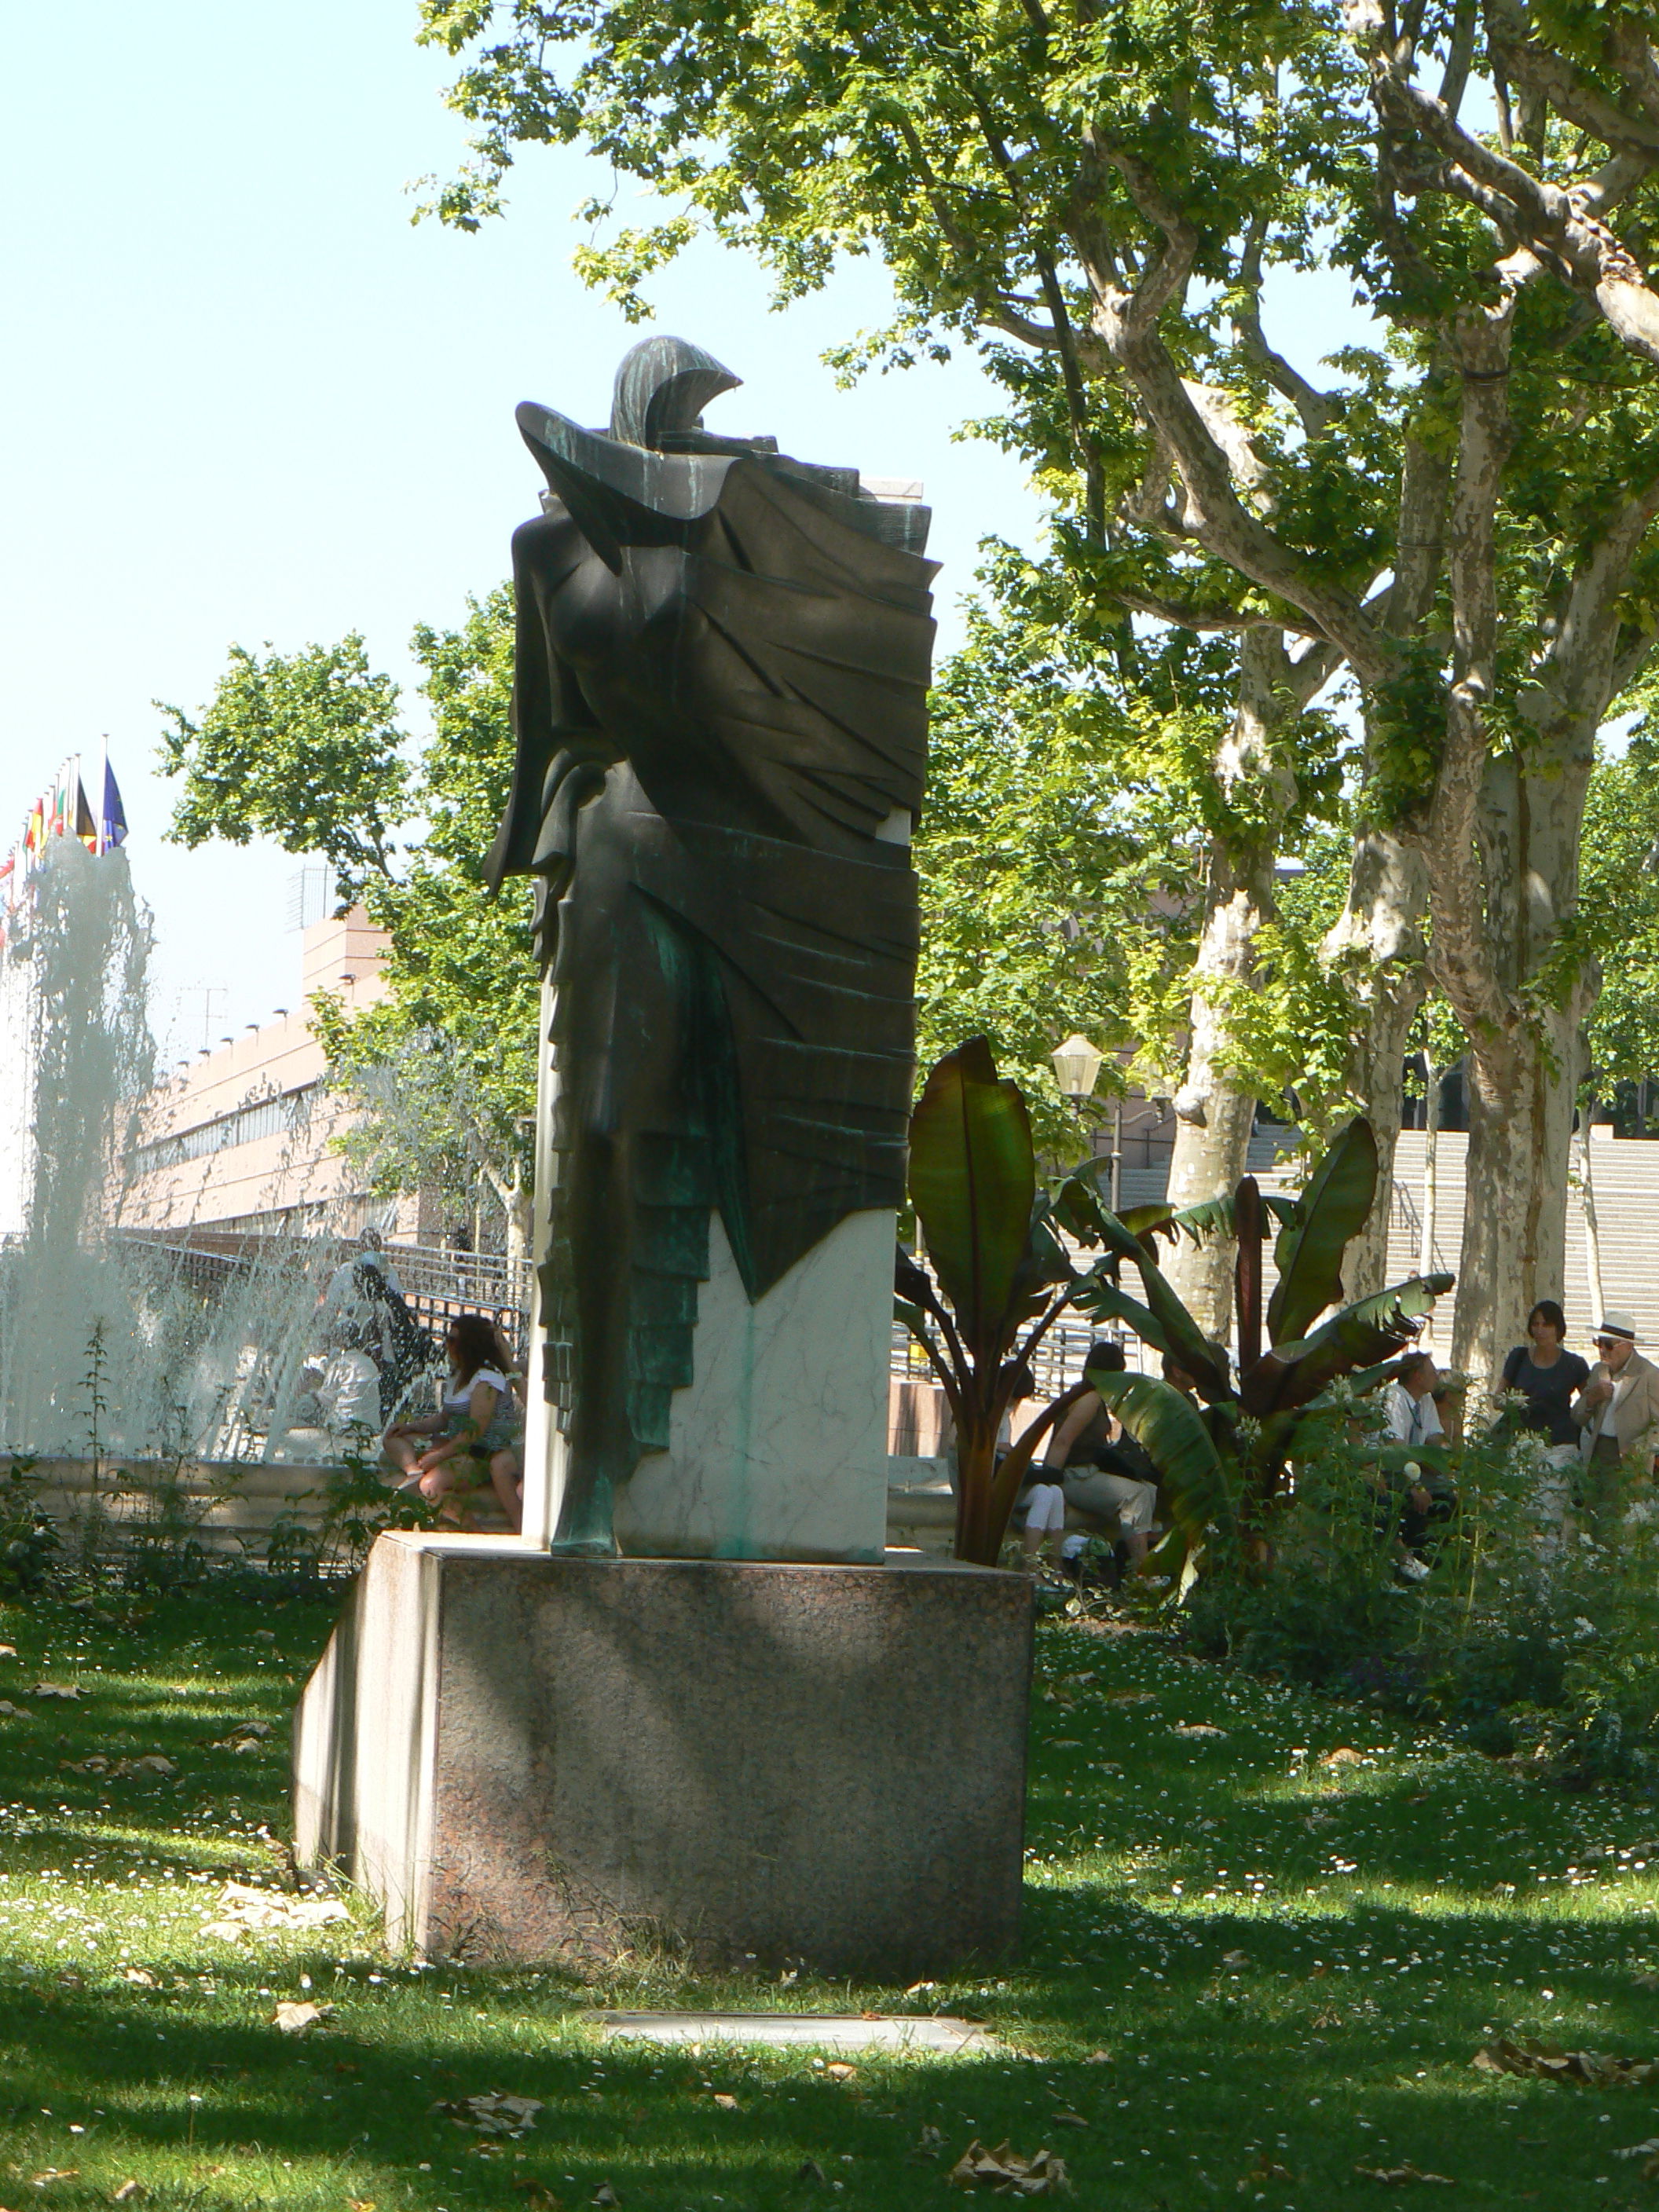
(524, 1756)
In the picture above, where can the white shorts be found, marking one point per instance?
(1046, 1509)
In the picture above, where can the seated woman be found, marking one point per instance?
(1098, 1467)
(477, 1424)
(506, 1465)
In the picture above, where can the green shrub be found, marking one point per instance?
(1523, 1637)
(28, 1541)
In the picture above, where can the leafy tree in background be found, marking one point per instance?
(1062, 850)
(1095, 197)
(1621, 907)
(1054, 889)
(306, 749)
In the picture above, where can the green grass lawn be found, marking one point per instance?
(1248, 1969)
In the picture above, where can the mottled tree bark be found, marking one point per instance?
(1214, 1115)
(1378, 944)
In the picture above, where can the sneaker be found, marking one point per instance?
(1411, 1569)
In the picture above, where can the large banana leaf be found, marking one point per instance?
(1211, 1217)
(1168, 1429)
(1176, 1332)
(1248, 1216)
(1309, 1253)
(973, 1183)
(1102, 1300)
(1372, 1330)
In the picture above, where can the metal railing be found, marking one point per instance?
(1406, 1217)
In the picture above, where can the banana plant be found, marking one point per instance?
(1252, 1418)
(1004, 1278)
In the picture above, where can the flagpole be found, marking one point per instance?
(103, 786)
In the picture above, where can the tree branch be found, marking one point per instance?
(1313, 407)
(1548, 74)
(1181, 614)
(1216, 517)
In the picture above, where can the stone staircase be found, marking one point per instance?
(1624, 1177)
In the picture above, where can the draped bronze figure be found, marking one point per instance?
(720, 713)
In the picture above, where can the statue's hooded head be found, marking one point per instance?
(662, 387)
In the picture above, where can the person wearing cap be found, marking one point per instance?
(1618, 1409)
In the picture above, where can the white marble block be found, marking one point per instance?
(778, 1449)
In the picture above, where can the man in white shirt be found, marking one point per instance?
(1411, 1418)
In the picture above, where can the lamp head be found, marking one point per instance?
(1076, 1066)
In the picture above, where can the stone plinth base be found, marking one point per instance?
(522, 1756)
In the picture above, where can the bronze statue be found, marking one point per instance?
(719, 705)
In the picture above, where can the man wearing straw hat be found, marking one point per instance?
(1616, 1411)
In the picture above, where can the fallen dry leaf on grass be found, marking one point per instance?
(1543, 2062)
(1234, 1958)
(605, 2194)
(1395, 2177)
(15, 1713)
(8, 1650)
(1131, 1697)
(128, 2193)
(138, 1975)
(360, 2204)
(928, 2144)
(839, 2071)
(245, 1907)
(1344, 1755)
(727, 2104)
(54, 2173)
(810, 2170)
(1069, 2120)
(55, 1690)
(1003, 2171)
(298, 2017)
(1195, 1728)
(1065, 1743)
(492, 2113)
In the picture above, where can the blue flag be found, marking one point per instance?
(112, 816)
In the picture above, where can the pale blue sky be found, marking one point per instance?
(249, 401)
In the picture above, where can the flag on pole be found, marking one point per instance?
(112, 816)
(86, 822)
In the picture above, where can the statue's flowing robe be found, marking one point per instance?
(710, 743)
